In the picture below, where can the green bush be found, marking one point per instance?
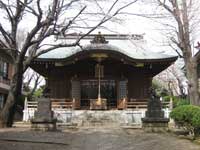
(177, 101)
(180, 101)
(187, 116)
(38, 93)
(167, 98)
(196, 123)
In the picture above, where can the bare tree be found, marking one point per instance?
(31, 82)
(181, 22)
(173, 79)
(51, 18)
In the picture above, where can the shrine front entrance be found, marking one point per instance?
(89, 93)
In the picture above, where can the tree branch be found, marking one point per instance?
(5, 35)
(71, 21)
(6, 8)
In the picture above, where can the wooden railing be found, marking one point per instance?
(138, 104)
(62, 104)
(55, 104)
(72, 104)
(30, 104)
(167, 104)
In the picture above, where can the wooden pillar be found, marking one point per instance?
(122, 93)
(76, 93)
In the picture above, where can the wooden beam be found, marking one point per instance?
(107, 36)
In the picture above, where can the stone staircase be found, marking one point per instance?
(97, 118)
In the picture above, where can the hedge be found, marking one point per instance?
(187, 116)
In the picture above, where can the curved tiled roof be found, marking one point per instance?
(136, 50)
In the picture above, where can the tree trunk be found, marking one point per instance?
(8, 111)
(190, 60)
(192, 76)
(7, 114)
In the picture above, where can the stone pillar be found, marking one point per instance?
(43, 118)
(154, 120)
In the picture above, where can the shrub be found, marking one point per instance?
(187, 116)
(37, 94)
(196, 123)
(177, 101)
(167, 98)
(180, 101)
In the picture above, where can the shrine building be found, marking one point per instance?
(105, 72)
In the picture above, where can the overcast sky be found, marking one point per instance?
(123, 24)
(153, 31)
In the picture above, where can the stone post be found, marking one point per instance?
(154, 120)
(43, 118)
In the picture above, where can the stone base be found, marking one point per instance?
(155, 124)
(43, 125)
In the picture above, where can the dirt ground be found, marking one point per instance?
(91, 139)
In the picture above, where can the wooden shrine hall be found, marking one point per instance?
(107, 72)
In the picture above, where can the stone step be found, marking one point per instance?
(59, 125)
(98, 124)
(63, 126)
(131, 126)
(98, 118)
(21, 124)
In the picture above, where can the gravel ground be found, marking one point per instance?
(91, 139)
